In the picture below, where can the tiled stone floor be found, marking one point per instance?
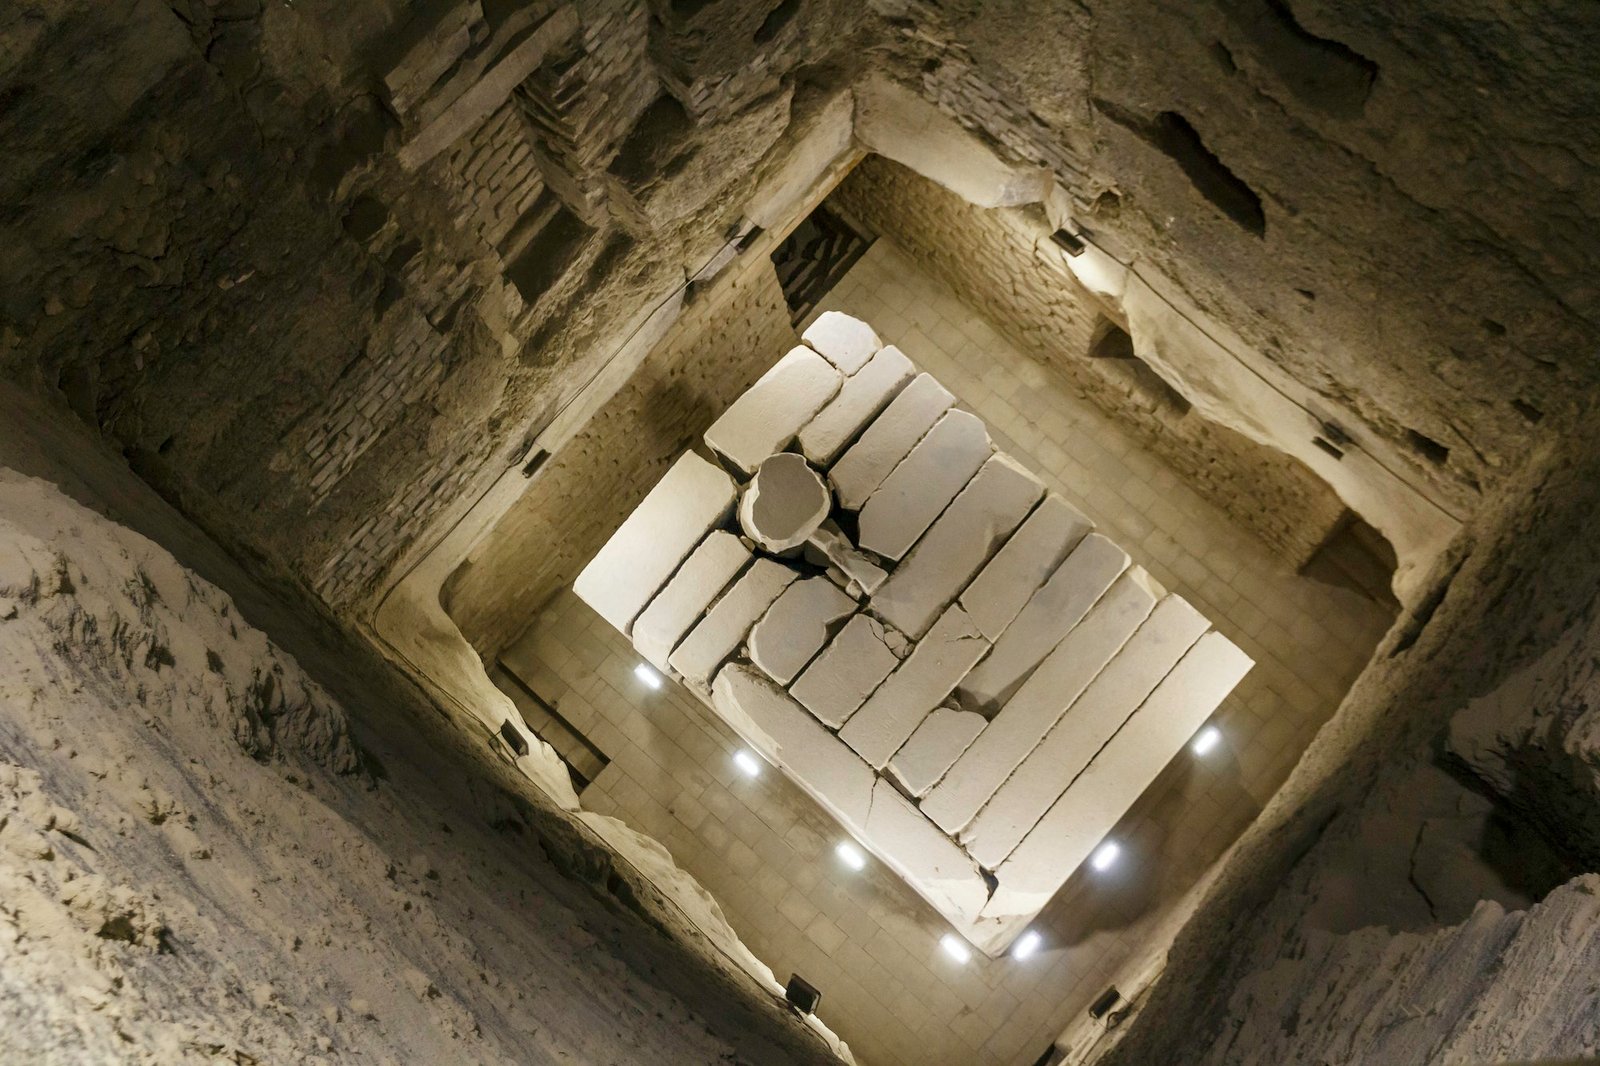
(765, 850)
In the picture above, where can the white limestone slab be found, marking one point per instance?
(863, 395)
(796, 627)
(919, 685)
(1027, 560)
(676, 609)
(766, 416)
(957, 545)
(784, 503)
(690, 500)
(1119, 774)
(936, 745)
(925, 857)
(828, 544)
(1093, 718)
(890, 438)
(854, 663)
(847, 342)
(719, 634)
(781, 730)
(1050, 614)
(1040, 702)
(924, 483)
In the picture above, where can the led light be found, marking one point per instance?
(850, 855)
(647, 676)
(954, 948)
(748, 763)
(1105, 856)
(1026, 945)
(1206, 739)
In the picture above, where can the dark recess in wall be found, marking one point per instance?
(774, 23)
(1172, 135)
(1320, 73)
(1111, 342)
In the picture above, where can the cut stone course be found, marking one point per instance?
(847, 342)
(839, 680)
(863, 395)
(924, 483)
(1027, 560)
(934, 748)
(766, 417)
(784, 503)
(1040, 702)
(724, 628)
(692, 498)
(676, 609)
(1051, 613)
(1116, 693)
(955, 548)
(797, 625)
(919, 685)
(890, 438)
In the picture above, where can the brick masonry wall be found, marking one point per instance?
(717, 348)
(989, 257)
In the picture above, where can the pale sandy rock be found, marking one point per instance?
(847, 342)
(766, 416)
(1122, 770)
(934, 748)
(719, 634)
(690, 500)
(925, 857)
(852, 665)
(864, 394)
(890, 438)
(797, 625)
(828, 545)
(1050, 614)
(924, 483)
(1105, 705)
(1027, 560)
(784, 503)
(1040, 703)
(957, 545)
(676, 609)
(920, 684)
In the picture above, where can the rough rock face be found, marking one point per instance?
(197, 861)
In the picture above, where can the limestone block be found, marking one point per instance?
(936, 745)
(719, 634)
(690, 500)
(1120, 773)
(924, 483)
(925, 857)
(957, 545)
(784, 503)
(1049, 615)
(782, 731)
(854, 664)
(1093, 718)
(1040, 703)
(828, 544)
(864, 394)
(676, 609)
(919, 685)
(890, 438)
(844, 341)
(797, 625)
(766, 416)
(1027, 560)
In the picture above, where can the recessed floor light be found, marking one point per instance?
(954, 948)
(749, 764)
(1026, 944)
(647, 676)
(1105, 856)
(850, 855)
(1205, 740)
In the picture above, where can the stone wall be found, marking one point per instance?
(723, 341)
(993, 257)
